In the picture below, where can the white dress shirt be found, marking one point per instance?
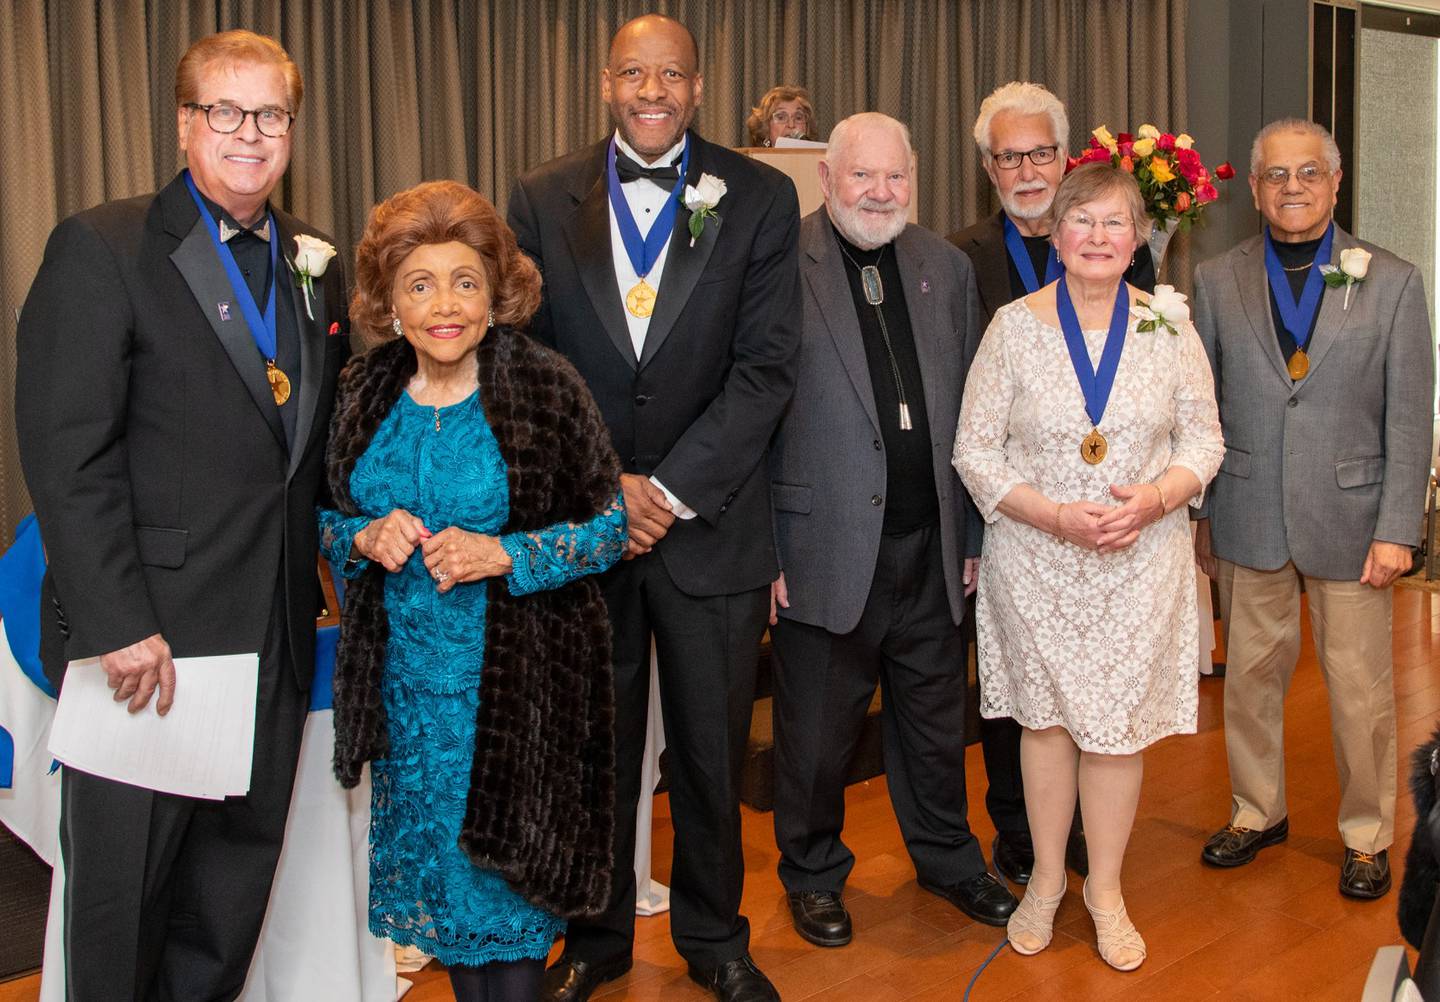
(645, 199)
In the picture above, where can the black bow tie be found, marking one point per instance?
(628, 170)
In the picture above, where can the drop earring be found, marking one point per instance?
(395, 326)
(492, 319)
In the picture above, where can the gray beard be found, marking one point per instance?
(862, 233)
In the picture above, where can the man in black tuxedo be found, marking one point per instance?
(1022, 132)
(172, 419)
(688, 341)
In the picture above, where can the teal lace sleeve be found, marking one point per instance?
(557, 555)
(337, 535)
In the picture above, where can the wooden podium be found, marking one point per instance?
(800, 165)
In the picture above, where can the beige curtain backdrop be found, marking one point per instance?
(397, 93)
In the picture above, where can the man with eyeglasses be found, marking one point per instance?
(1022, 132)
(173, 397)
(1320, 345)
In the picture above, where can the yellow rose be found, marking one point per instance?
(1148, 131)
(1102, 135)
(1184, 141)
(1144, 147)
(1160, 170)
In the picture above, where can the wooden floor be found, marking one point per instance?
(1276, 929)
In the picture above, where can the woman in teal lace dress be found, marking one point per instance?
(424, 491)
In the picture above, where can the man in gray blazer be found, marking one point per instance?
(1324, 370)
(877, 538)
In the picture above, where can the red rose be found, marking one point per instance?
(1124, 138)
(1206, 193)
(1071, 163)
(1127, 148)
(1166, 142)
(1094, 144)
(1225, 172)
(1185, 157)
(1096, 155)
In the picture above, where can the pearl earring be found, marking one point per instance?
(395, 326)
(492, 319)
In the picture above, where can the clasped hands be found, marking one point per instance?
(452, 555)
(647, 512)
(1108, 528)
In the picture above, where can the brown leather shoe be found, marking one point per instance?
(571, 979)
(1235, 846)
(1365, 875)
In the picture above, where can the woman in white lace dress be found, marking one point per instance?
(1086, 606)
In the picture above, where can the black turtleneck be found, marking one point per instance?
(910, 498)
(1294, 256)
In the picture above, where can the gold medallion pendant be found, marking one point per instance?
(1298, 365)
(1093, 447)
(279, 382)
(640, 300)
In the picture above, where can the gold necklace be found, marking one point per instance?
(1302, 267)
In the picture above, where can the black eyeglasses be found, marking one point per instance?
(227, 118)
(1040, 156)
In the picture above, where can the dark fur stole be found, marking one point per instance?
(1422, 868)
(541, 807)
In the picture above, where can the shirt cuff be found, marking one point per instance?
(682, 510)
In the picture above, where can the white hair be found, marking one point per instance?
(1020, 97)
(1301, 125)
(844, 133)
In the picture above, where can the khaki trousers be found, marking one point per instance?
(1351, 627)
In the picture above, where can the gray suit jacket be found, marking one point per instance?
(827, 463)
(1317, 469)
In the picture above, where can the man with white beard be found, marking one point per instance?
(876, 535)
(1022, 132)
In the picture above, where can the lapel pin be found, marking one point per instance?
(924, 285)
(224, 311)
(334, 327)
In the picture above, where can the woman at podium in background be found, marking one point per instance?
(784, 111)
(1088, 423)
(475, 493)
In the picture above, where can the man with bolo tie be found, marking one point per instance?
(173, 397)
(671, 284)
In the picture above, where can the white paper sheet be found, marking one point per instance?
(785, 142)
(201, 748)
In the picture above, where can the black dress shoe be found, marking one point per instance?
(982, 897)
(1014, 856)
(1365, 875)
(1077, 856)
(1232, 846)
(737, 980)
(820, 917)
(572, 979)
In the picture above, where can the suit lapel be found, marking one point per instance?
(588, 231)
(684, 264)
(1254, 287)
(831, 289)
(992, 270)
(1330, 324)
(920, 305)
(198, 264)
(312, 345)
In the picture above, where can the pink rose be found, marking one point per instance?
(1166, 142)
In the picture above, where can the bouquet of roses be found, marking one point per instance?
(1174, 181)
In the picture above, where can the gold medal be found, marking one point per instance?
(640, 300)
(1298, 365)
(279, 382)
(1094, 447)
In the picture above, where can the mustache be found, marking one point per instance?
(874, 206)
(1025, 187)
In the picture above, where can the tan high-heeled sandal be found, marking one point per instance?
(1035, 915)
(1114, 933)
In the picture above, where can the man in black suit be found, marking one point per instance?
(1022, 132)
(172, 416)
(688, 341)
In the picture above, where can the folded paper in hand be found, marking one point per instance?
(201, 748)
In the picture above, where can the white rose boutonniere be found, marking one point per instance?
(701, 200)
(312, 257)
(1165, 308)
(1354, 266)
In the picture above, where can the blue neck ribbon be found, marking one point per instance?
(262, 328)
(1095, 383)
(1298, 317)
(1020, 257)
(643, 251)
